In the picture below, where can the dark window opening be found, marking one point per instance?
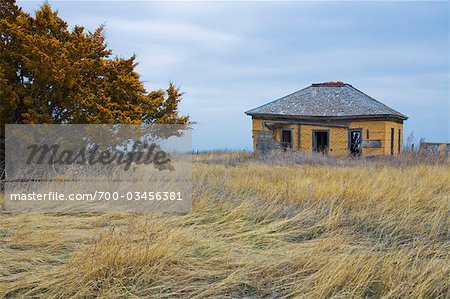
(320, 141)
(392, 140)
(354, 142)
(368, 134)
(286, 139)
(399, 140)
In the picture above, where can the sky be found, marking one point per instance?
(229, 57)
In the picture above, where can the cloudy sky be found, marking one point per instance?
(231, 57)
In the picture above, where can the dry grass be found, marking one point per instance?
(256, 231)
(406, 159)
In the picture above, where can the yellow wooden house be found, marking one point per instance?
(333, 118)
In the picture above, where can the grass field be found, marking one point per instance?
(257, 230)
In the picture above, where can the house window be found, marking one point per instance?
(286, 138)
(368, 134)
(354, 142)
(392, 140)
(399, 140)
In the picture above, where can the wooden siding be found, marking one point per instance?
(396, 126)
(377, 131)
(338, 136)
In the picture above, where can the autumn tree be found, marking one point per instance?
(51, 74)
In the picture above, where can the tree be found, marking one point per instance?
(50, 74)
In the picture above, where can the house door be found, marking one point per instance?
(320, 141)
(354, 142)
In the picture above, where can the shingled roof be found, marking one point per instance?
(330, 99)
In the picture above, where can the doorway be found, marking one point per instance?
(320, 141)
(286, 139)
(354, 142)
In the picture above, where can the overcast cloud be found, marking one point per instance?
(231, 57)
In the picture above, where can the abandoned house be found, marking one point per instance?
(332, 118)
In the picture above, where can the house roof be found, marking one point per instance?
(329, 99)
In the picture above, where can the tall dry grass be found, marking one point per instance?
(257, 230)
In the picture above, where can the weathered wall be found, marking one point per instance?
(397, 127)
(338, 139)
(378, 130)
(256, 127)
